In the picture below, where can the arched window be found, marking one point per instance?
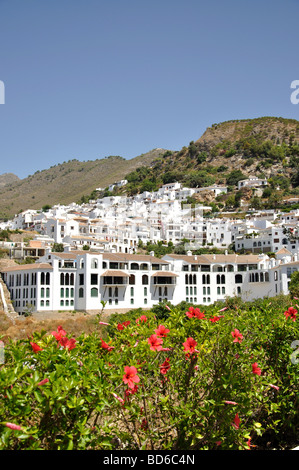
(94, 292)
(190, 278)
(72, 279)
(94, 263)
(261, 277)
(256, 277)
(238, 279)
(132, 279)
(67, 279)
(222, 279)
(186, 278)
(144, 280)
(42, 278)
(47, 279)
(135, 266)
(194, 278)
(81, 292)
(62, 279)
(218, 279)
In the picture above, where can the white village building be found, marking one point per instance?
(79, 280)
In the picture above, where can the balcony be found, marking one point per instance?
(115, 278)
(164, 278)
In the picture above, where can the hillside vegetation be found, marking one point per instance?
(227, 152)
(224, 154)
(67, 182)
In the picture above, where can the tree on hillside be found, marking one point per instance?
(294, 284)
(234, 177)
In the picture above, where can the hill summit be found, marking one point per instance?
(266, 147)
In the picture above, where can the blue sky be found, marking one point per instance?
(88, 79)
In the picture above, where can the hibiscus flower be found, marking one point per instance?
(122, 325)
(13, 426)
(43, 382)
(130, 376)
(164, 368)
(291, 312)
(68, 343)
(189, 345)
(237, 335)
(161, 331)
(59, 333)
(255, 369)
(155, 343)
(236, 422)
(106, 346)
(141, 319)
(195, 312)
(35, 347)
(216, 318)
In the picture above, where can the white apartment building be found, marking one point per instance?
(81, 280)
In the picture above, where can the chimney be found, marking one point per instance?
(189, 253)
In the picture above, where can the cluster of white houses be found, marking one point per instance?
(111, 230)
(80, 280)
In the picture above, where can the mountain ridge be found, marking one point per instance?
(225, 153)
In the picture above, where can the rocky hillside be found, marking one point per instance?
(67, 182)
(227, 152)
(8, 178)
(224, 154)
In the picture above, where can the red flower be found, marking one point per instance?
(222, 310)
(130, 377)
(13, 426)
(106, 346)
(255, 369)
(236, 422)
(118, 398)
(237, 335)
(195, 312)
(68, 343)
(141, 319)
(35, 347)
(274, 386)
(164, 368)
(132, 391)
(189, 345)
(43, 382)
(144, 424)
(161, 331)
(155, 343)
(59, 333)
(122, 325)
(216, 318)
(291, 312)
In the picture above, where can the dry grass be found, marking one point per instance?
(22, 327)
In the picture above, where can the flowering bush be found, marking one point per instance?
(218, 379)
